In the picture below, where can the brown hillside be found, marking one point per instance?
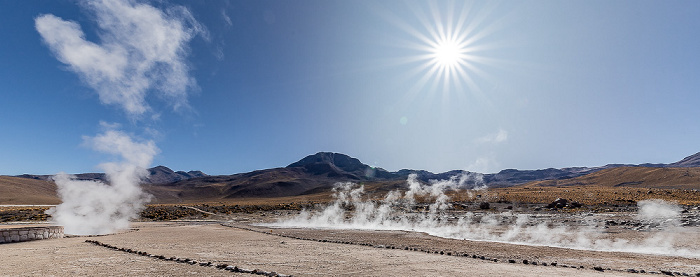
(22, 191)
(619, 186)
(636, 177)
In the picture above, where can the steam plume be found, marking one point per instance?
(93, 207)
(399, 211)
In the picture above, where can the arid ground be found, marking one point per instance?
(206, 247)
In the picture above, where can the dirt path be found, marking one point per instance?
(199, 210)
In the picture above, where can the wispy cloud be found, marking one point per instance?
(141, 49)
(500, 136)
(226, 18)
(484, 164)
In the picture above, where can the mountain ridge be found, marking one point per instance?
(319, 172)
(156, 175)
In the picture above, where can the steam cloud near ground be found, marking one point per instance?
(142, 50)
(395, 212)
(93, 207)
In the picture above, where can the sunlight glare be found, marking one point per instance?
(449, 40)
(448, 54)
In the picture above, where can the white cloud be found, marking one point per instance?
(141, 50)
(483, 164)
(499, 137)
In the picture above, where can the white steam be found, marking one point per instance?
(94, 207)
(141, 50)
(657, 210)
(399, 211)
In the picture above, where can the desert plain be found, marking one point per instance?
(326, 217)
(206, 243)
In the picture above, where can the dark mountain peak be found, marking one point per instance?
(339, 165)
(690, 161)
(341, 161)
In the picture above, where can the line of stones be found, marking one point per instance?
(226, 267)
(474, 256)
(33, 233)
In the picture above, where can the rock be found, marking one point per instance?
(558, 204)
(484, 206)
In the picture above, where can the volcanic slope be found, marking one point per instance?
(635, 177)
(23, 191)
(313, 175)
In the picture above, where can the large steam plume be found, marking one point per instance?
(399, 211)
(141, 50)
(93, 207)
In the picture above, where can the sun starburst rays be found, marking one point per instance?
(447, 44)
(446, 49)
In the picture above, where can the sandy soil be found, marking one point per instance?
(252, 249)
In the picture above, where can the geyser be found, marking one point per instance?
(93, 207)
(397, 211)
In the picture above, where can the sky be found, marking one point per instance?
(228, 87)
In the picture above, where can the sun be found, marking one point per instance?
(448, 45)
(448, 54)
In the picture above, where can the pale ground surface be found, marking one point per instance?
(246, 249)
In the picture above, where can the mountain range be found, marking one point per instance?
(319, 172)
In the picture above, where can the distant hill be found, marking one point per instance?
(690, 161)
(23, 191)
(163, 175)
(639, 177)
(340, 165)
(318, 173)
(157, 175)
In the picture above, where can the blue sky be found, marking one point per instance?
(536, 84)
